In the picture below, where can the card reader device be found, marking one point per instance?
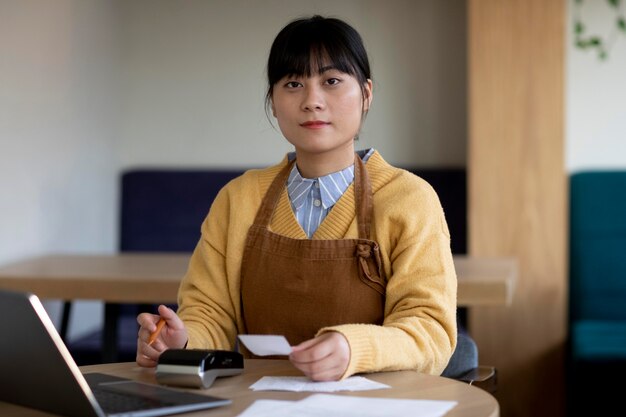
(196, 368)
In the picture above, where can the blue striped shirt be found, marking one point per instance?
(313, 198)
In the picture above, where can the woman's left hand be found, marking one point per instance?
(324, 358)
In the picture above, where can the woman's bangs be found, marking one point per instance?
(311, 60)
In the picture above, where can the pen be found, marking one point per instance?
(154, 334)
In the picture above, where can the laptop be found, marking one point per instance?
(37, 371)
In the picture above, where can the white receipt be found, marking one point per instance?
(264, 345)
(325, 405)
(302, 383)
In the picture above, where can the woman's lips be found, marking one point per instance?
(315, 124)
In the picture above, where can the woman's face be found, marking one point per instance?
(321, 113)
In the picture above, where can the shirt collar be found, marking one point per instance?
(331, 186)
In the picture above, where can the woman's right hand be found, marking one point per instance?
(173, 335)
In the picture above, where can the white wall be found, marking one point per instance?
(58, 82)
(596, 94)
(195, 79)
(91, 87)
(57, 125)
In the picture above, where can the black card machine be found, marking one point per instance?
(197, 368)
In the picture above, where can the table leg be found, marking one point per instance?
(65, 320)
(109, 340)
(462, 317)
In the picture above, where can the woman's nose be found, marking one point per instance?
(313, 99)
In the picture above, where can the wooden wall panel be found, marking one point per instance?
(518, 193)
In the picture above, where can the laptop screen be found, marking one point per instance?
(37, 370)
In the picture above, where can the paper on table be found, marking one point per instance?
(302, 383)
(264, 345)
(262, 408)
(325, 405)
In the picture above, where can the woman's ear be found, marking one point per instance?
(273, 108)
(368, 96)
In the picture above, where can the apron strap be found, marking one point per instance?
(362, 197)
(265, 212)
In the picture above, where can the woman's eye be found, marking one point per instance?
(292, 84)
(333, 81)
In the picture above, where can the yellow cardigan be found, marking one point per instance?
(419, 330)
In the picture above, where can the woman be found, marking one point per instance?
(345, 255)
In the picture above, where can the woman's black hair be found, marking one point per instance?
(306, 45)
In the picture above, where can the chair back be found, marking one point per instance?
(463, 359)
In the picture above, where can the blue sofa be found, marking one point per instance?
(161, 210)
(597, 299)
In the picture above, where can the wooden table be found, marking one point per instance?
(485, 281)
(472, 401)
(154, 278)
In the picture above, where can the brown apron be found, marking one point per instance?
(294, 287)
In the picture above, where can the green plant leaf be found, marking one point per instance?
(579, 28)
(597, 42)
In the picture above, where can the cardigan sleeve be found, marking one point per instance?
(205, 295)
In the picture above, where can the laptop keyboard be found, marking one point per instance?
(118, 402)
(122, 397)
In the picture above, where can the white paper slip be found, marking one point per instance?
(265, 408)
(264, 345)
(325, 405)
(302, 383)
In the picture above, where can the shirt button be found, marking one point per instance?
(317, 184)
(317, 203)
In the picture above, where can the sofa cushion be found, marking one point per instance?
(599, 340)
(162, 209)
(598, 245)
